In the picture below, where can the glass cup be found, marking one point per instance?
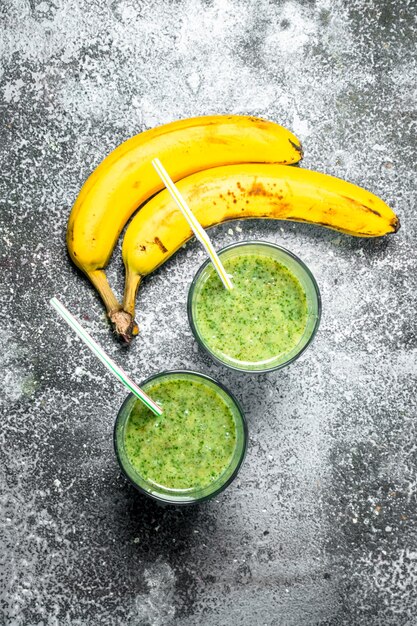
(296, 267)
(181, 496)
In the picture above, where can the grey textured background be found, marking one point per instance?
(320, 526)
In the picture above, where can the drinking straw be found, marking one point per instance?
(194, 224)
(104, 358)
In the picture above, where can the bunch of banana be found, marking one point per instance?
(202, 154)
(126, 179)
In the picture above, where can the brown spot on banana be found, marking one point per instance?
(362, 206)
(160, 245)
(364, 233)
(299, 148)
(258, 189)
(217, 140)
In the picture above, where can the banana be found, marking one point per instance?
(247, 191)
(126, 178)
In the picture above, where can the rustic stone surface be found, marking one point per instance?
(320, 527)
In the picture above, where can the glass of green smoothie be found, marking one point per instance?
(190, 453)
(270, 316)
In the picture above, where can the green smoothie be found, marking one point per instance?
(190, 445)
(262, 318)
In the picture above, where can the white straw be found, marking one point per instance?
(194, 224)
(104, 358)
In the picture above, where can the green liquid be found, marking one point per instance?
(190, 445)
(263, 317)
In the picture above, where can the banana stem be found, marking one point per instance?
(131, 288)
(123, 322)
(100, 282)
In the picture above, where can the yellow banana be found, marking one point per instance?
(247, 191)
(126, 178)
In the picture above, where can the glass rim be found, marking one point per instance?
(203, 345)
(167, 499)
